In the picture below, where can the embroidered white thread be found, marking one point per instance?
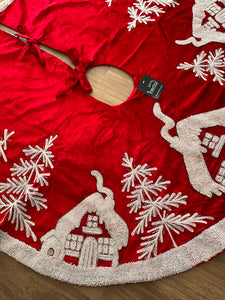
(92, 226)
(141, 171)
(171, 223)
(187, 142)
(28, 173)
(201, 248)
(220, 177)
(54, 241)
(89, 253)
(136, 177)
(3, 143)
(4, 4)
(214, 64)
(215, 143)
(16, 210)
(109, 2)
(207, 29)
(151, 209)
(154, 212)
(143, 10)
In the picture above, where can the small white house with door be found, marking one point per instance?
(89, 246)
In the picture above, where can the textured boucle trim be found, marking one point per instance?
(4, 4)
(200, 249)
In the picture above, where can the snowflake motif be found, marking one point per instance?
(134, 173)
(213, 63)
(153, 209)
(21, 189)
(16, 211)
(3, 143)
(142, 10)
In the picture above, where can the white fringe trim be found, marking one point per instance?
(200, 249)
(5, 4)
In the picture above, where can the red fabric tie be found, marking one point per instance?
(79, 73)
(31, 43)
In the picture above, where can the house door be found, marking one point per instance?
(89, 253)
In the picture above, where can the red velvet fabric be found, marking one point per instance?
(41, 96)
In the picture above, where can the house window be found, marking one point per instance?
(73, 245)
(220, 177)
(213, 9)
(210, 140)
(105, 246)
(92, 221)
(92, 226)
(214, 142)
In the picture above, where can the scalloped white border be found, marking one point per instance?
(5, 4)
(200, 249)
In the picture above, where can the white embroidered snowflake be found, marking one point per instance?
(3, 143)
(212, 63)
(153, 219)
(20, 188)
(144, 11)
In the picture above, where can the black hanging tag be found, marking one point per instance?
(151, 87)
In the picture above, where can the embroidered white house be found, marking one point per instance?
(208, 23)
(90, 246)
(188, 143)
